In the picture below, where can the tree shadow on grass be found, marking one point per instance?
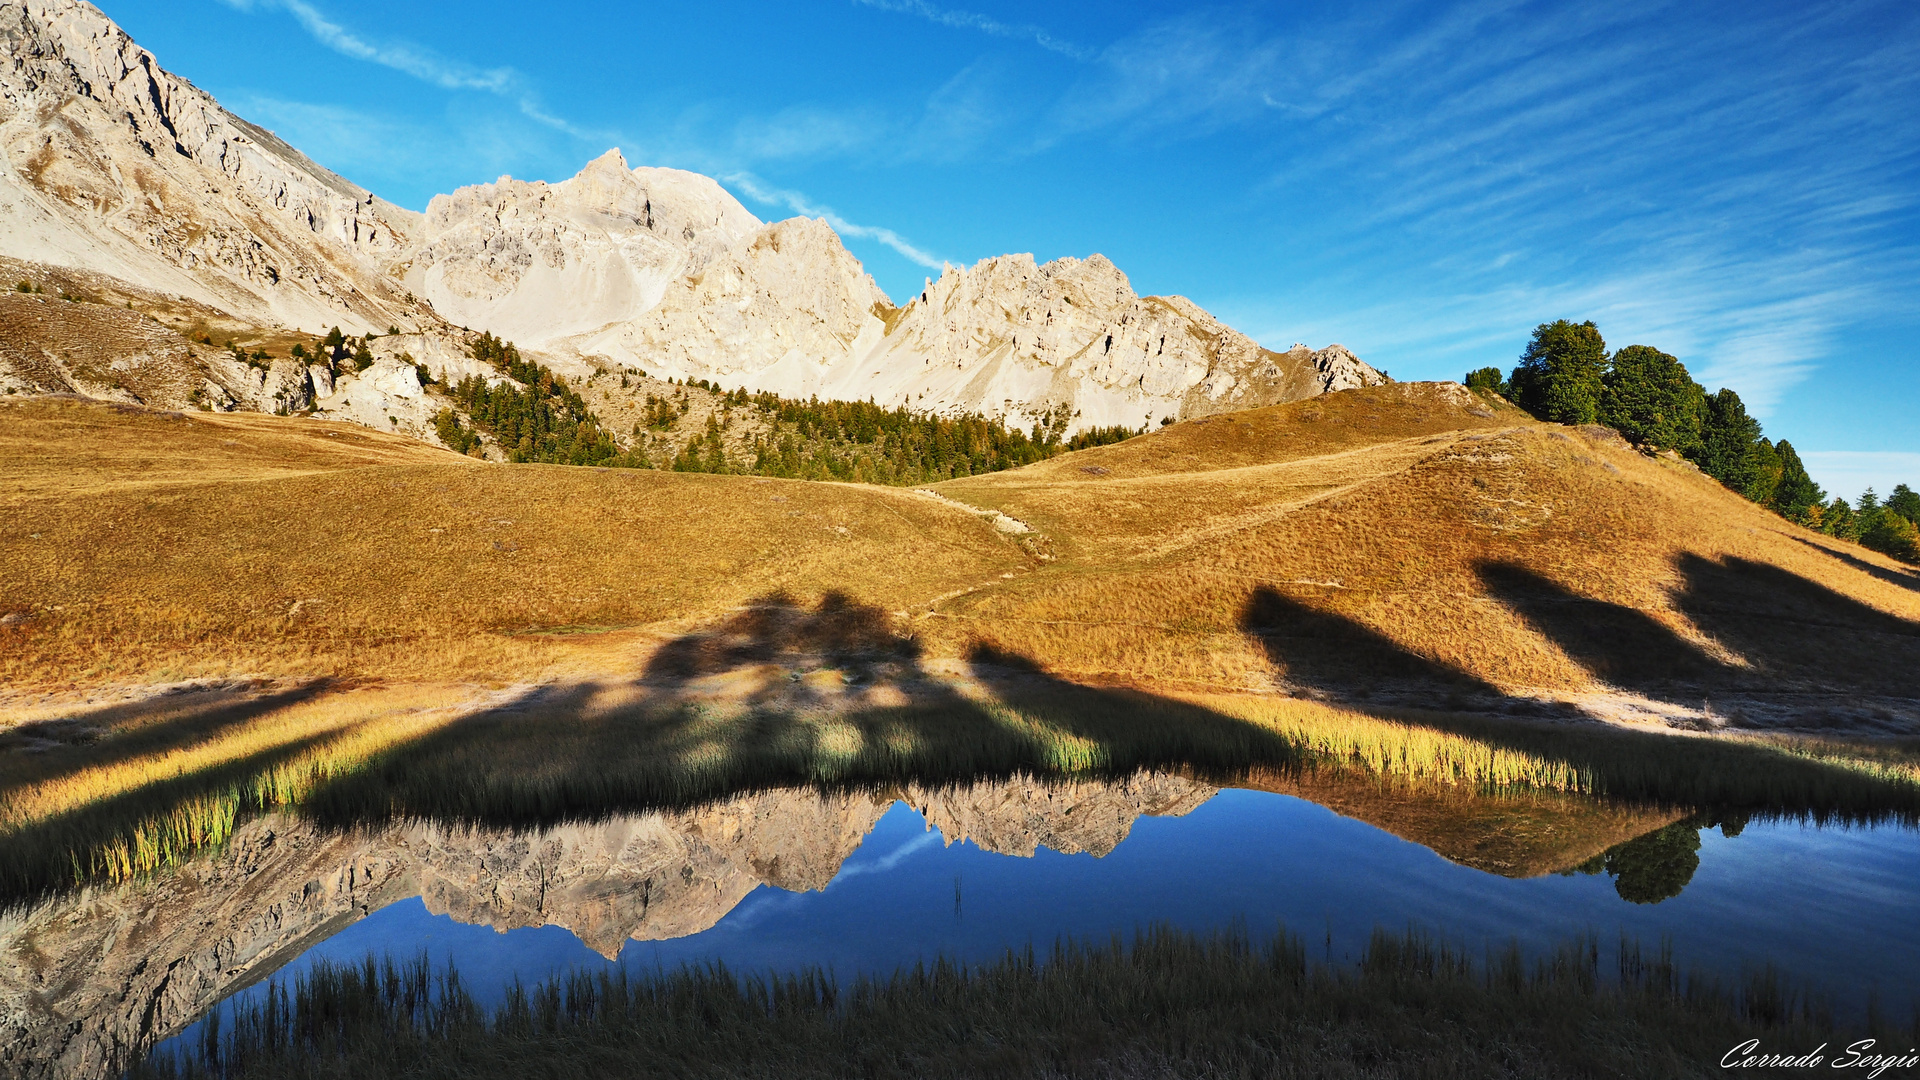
(1618, 645)
(840, 630)
(730, 709)
(154, 824)
(48, 751)
(1331, 653)
(733, 709)
(89, 738)
(1906, 579)
(832, 696)
(1797, 631)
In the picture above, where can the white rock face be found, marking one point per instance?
(109, 163)
(1007, 337)
(534, 262)
(771, 314)
(664, 271)
(792, 312)
(387, 396)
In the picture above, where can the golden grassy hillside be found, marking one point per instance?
(1408, 536)
(143, 546)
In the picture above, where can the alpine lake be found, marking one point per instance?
(866, 881)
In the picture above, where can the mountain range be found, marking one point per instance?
(208, 225)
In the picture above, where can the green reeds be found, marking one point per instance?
(554, 761)
(133, 835)
(1169, 1004)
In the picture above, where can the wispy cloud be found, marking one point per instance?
(1482, 169)
(853, 868)
(796, 132)
(1850, 472)
(333, 133)
(381, 151)
(805, 133)
(1189, 75)
(985, 24)
(423, 64)
(800, 204)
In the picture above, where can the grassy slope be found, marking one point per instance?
(1395, 535)
(142, 546)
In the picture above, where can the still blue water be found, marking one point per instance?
(1832, 906)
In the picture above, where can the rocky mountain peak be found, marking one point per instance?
(770, 313)
(536, 262)
(1008, 335)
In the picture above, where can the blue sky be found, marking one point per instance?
(1738, 184)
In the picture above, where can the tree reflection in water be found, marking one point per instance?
(1658, 865)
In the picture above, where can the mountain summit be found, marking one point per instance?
(664, 271)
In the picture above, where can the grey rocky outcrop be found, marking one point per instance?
(110, 163)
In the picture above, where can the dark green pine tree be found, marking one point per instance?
(1795, 494)
(1560, 373)
(1649, 397)
(1728, 437)
(1488, 379)
(1905, 502)
(1837, 519)
(1763, 472)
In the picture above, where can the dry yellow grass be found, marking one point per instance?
(1405, 534)
(285, 741)
(1394, 536)
(146, 547)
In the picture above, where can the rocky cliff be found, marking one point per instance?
(112, 166)
(536, 262)
(110, 163)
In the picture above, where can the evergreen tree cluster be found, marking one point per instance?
(1566, 375)
(1891, 527)
(860, 441)
(535, 417)
(336, 352)
(868, 443)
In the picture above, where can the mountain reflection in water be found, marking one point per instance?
(96, 977)
(109, 972)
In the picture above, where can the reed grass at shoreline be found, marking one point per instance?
(1171, 1004)
(112, 811)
